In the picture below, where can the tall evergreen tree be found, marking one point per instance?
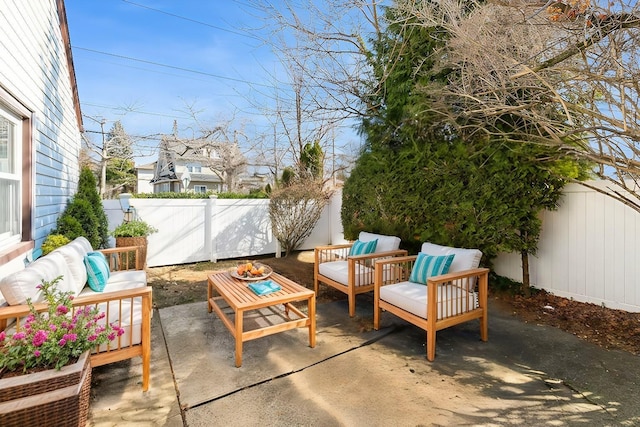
(87, 190)
(425, 180)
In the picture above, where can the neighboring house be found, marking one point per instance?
(178, 165)
(145, 175)
(40, 125)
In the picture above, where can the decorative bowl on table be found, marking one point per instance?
(251, 271)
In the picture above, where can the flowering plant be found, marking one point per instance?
(54, 338)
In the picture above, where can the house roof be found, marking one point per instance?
(64, 29)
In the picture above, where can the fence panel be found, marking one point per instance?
(587, 251)
(212, 229)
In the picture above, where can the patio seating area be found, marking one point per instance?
(525, 375)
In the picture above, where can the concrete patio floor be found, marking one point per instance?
(524, 375)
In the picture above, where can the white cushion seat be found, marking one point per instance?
(339, 272)
(443, 300)
(333, 264)
(412, 297)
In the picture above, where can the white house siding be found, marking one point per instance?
(145, 175)
(34, 69)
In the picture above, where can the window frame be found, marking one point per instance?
(24, 116)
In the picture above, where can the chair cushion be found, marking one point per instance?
(363, 248)
(338, 271)
(412, 297)
(465, 259)
(74, 254)
(385, 243)
(19, 286)
(427, 266)
(126, 279)
(97, 270)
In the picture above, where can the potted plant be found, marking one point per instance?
(47, 354)
(134, 233)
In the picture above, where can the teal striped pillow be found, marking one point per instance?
(97, 270)
(427, 266)
(363, 248)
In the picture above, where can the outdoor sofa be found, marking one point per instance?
(349, 271)
(405, 287)
(126, 298)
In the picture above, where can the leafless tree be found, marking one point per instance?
(566, 71)
(294, 212)
(323, 48)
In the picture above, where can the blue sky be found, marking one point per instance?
(144, 62)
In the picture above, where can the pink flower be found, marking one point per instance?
(36, 353)
(19, 336)
(39, 338)
(92, 337)
(3, 336)
(53, 327)
(62, 342)
(62, 309)
(112, 336)
(71, 337)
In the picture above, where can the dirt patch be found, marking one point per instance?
(612, 329)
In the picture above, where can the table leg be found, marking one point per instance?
(209, 292)
(312, 321)
(238, 324)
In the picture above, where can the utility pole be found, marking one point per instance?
(103, 162)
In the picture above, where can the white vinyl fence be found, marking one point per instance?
(194, 230)
(588, 249)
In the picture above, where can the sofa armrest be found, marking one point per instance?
(17, 312)
(379, 255)
(328, 253)
(393, 270)
(123, 258)
(474, 273)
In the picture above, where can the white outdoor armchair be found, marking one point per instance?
(353, 274)
(445, 300)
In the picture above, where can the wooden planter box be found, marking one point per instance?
(134, 241)
(47, 398)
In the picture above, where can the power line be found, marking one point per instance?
(144, 61)
(126, 110)
(192, 20)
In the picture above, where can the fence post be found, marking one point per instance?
(209, 238)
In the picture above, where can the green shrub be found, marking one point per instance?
(87, 190)
(135, 228)
(253, 194)
(52, 242)
(79, 219)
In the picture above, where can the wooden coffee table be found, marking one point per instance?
(238, 296)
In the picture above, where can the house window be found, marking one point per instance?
(200, 188)
(10, 177)
(194, 168)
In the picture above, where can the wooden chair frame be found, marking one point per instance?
(115, 351)
(357, 283)
(401, 267)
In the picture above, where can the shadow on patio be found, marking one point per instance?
(524, 375)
